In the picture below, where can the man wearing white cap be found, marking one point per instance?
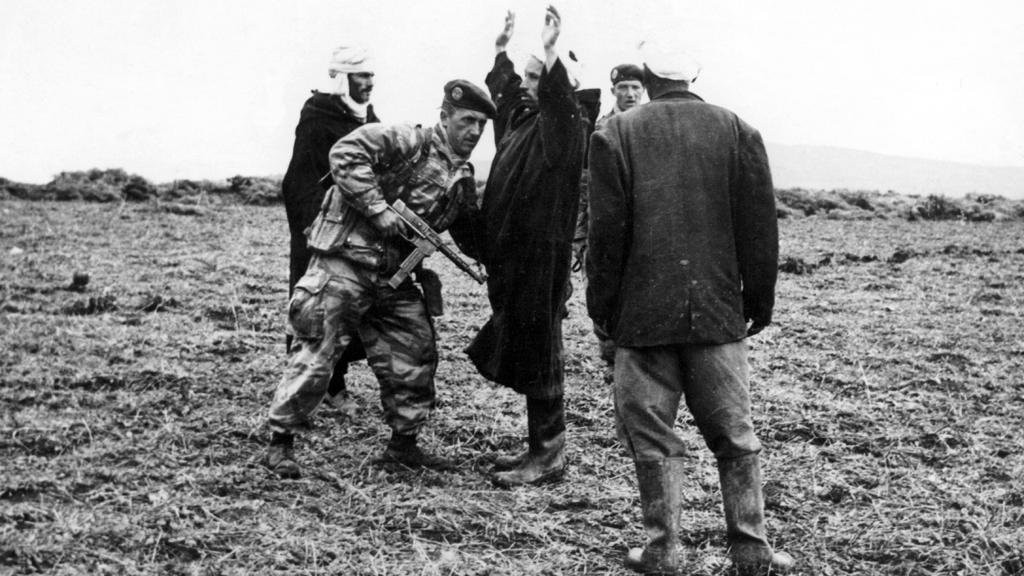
(324, 119)
(683, 255)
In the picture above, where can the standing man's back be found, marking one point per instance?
(700, 185)
(683, 253)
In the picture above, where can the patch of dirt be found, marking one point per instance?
(885, 394)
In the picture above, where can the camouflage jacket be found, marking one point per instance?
(374, 166)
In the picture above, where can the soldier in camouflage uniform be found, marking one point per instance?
(357, 247)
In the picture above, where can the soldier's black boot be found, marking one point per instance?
(660, 483)
(280, 457)
(744, 519)
(402, 449)
(544, 461)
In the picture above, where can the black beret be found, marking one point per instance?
(465, 94)
(626, 72)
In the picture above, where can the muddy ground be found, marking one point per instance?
(888, 396)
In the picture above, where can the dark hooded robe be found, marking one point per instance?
(324, 119)
(529, 210)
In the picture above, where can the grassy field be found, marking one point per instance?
(888, 395)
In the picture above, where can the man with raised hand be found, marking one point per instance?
(529, 211)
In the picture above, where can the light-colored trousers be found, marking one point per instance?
(651, 382)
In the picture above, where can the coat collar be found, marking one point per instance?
(677, 95)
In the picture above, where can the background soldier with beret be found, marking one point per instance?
(683, 254)
(357, 247)
(529, 210)
(324, 119)
(628, 89)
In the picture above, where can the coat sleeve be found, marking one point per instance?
(316, 141)
(359, 157)
(301, 186)
(559, 114)
(610, 230)
(468, 229)
(504, 84)
(755, 227)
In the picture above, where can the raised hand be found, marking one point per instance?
(506, 34)
(552, 28)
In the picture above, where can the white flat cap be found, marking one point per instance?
(669, 62)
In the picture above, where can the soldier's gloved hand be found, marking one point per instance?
(388, 223)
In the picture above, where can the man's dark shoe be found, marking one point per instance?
(403, 450)
(280, 457)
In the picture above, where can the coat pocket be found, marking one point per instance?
(306, 309)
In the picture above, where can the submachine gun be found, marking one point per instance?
(426, 241)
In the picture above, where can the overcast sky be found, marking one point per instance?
(212, 88)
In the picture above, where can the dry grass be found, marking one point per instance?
(888, 396)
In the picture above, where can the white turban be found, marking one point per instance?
(671, 63)
(350, 60)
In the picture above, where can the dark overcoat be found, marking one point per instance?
(683, 232)
(529, 212)
(324, 119)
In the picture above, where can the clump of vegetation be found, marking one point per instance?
(116, 185)
(258, 191)
(971, 208)
(868, 204)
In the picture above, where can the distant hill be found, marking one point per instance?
(830, 168)
(823, 167)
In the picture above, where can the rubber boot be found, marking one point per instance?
(280, 457)
(402, 449)
(660, 483)
(510, 461)
(545, 459)
(744, 519)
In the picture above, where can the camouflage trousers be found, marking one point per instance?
(331, 301)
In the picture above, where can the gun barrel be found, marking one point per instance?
(423, 230)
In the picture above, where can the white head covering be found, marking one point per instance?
(350, 60)
(669, 62)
